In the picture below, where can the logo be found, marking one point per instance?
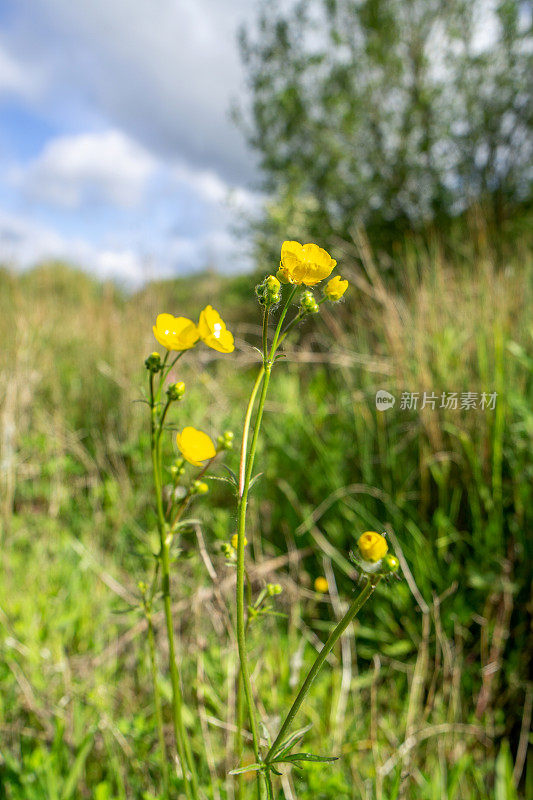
(384, 400)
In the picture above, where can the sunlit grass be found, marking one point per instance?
(408, 705)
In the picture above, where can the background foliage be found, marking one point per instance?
(429, 696)
(388, 113)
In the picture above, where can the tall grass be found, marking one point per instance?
(429, 697)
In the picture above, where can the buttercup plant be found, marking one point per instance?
(302, 267)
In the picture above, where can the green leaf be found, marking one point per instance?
(247, 768)
(255, 479)
(504, 788)
(297, 757)
(285, 746)
(231, 474)
(77, 768)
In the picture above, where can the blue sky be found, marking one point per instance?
(117, 151)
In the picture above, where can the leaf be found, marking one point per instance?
(247, 768)
(297, 757)
(220, 478)
(285, 746)
(79, 763)
(231, 474)
(255, 479)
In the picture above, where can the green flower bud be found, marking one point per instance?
(228, 551)
(153, 362)
(199, 487)
(273, 589)
(390, 564)
(260, 293)
(272, 284)
(308, 304)
(175, 391)
(225, 441)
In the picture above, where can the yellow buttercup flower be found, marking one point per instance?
(213, 331)
(304, 263)
(175, 333)
(195, 446)
(321, 584)
(372, 546)
(335, 288)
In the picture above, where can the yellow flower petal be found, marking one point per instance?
(308, 263)
(372, 546)
(195, 446)
(175, 333)
(213, 331)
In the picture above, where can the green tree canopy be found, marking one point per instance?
(389, 113)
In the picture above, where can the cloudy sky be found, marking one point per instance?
(117, 150)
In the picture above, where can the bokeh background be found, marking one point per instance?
(154, 156)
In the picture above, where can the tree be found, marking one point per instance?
(389, 113)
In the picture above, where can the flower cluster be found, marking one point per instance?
(303, 265)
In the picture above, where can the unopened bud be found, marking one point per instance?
(228, 550)
(199, 487)
(225, 441)
(273, 589)
(390, 563)
(153, 362)
(308, 303)
(175, 391)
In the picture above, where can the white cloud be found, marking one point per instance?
(210, 187)
(90, 167)
(24, 243)
(14, 77)
(165, 72)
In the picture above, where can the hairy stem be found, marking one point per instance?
(157, 703)
(180, 732)
(336, 633)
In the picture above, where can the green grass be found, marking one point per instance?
(409, 703)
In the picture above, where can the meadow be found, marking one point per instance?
(428, 695)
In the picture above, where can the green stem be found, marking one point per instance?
(337, 632)
(246, 467)
(180, 732)
(182, 739)
(157, 703)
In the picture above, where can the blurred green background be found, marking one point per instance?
(429, 696)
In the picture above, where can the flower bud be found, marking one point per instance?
(153, 362)
(235, 541)
(321, 584)
(175, 391)
(372, 546)
(225, 441)
(228, 550)
(272, 285)
(273, 589)
(308, 304)
(260, 293)
(335, 288)
(199, 487)
(390, 564)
